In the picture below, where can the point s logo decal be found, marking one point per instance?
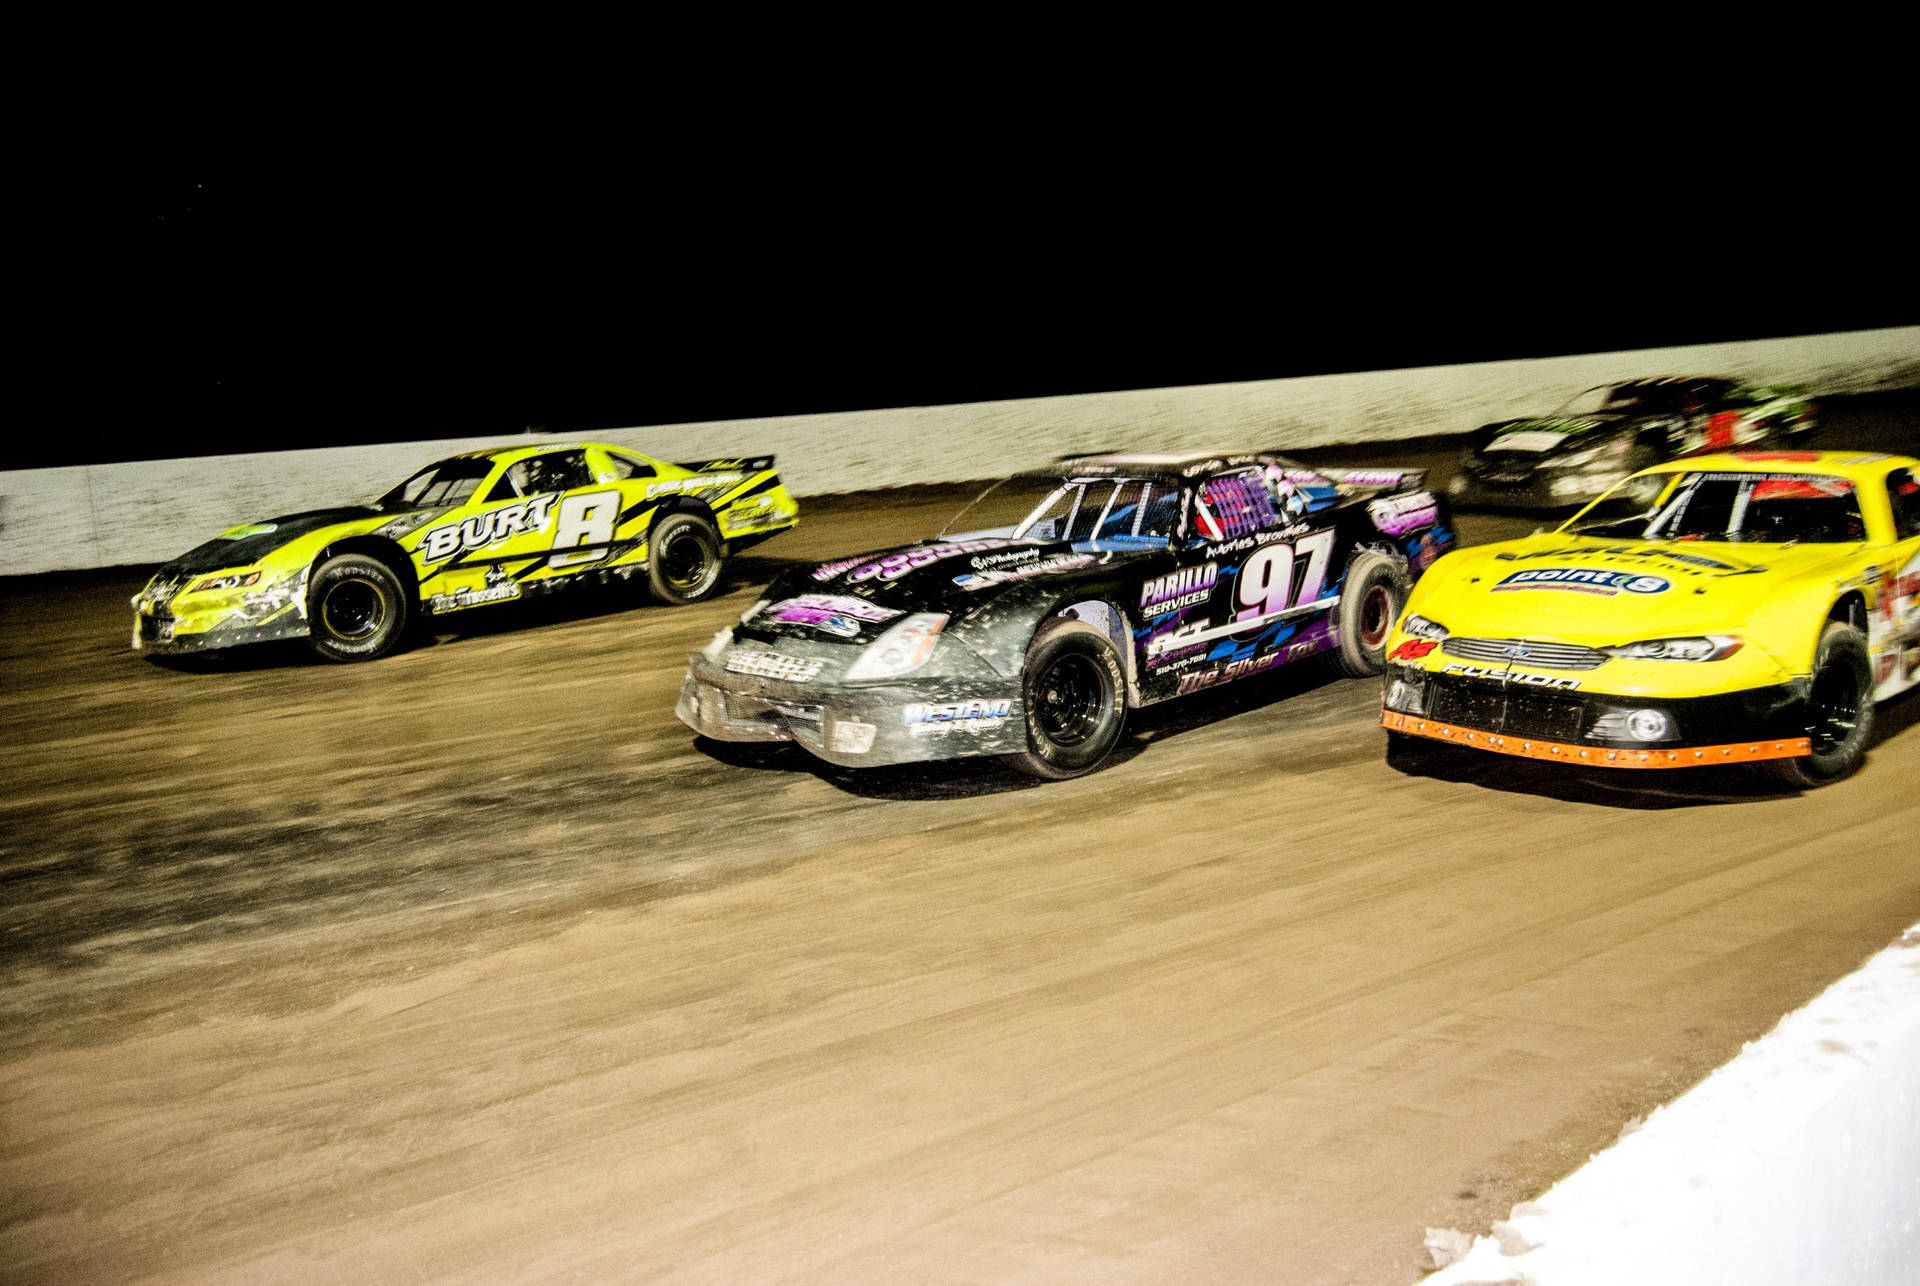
(1413, 649)
(1585, 580)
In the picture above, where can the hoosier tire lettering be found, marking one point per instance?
(1075, 698)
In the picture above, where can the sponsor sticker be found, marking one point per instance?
(924, 718)
(834, 613)
(894, 566)
(1412, 649)
(1198, 679)
(1509, 676)
(500, 588)
(1585, 580)
(463, 598)
(1397, 515)
(1178, 589)
(1022, 571)
(705, 482)
(827, 571)
(774, 665)
(486, 528)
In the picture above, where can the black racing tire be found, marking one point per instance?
(1075, 698)
(1839, 711)
(683, 558)
(358, 608)
(1370, 602)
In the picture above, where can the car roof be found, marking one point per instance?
(1170, 463)
(1673, 381)
(511, 452)
(1840, 464)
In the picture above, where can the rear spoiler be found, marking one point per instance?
(1382, 479)
(731, 464)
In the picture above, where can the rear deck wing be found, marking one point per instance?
(730, 464)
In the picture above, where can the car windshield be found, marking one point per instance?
(1115, 512)
(1774, 508)
(449, 482)
(1584, 403)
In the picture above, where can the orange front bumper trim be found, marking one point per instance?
(1740, 752)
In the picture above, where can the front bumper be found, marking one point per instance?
(168, 620)
(943, 715)
(161, 634)
(1514, 718)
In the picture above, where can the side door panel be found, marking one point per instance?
(1893, 626)
(1268, 572)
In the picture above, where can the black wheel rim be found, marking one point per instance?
(1376, 616)
(353, 608)
(1068, 700)
(1835, 706)
(686, 563)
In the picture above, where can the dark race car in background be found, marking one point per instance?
(1611, 432)
(1058, 600)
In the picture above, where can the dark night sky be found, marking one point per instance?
(265, 298)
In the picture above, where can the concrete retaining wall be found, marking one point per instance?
(129, 514)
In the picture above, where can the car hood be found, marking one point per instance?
(247, 544)
(1526, 442)
(857, 599)
(1600, 592)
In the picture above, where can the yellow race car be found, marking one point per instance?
(1754, 613)
(469, 531)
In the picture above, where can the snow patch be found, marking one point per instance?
(1799, 1161)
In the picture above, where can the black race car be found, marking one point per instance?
(1058, 600)
(1611, 432)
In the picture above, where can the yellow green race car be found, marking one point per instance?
(1755, 612)
(470, 531)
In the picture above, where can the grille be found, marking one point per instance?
(1545, 656)
(774, 665)
(1510, 712)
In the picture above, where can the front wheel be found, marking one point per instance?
(1370, 603)
(1839, 711)
(357, 608)
(1075, 698)
(683, 559)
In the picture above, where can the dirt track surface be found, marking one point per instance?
(473, 965)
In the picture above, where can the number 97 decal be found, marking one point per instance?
(1266, 591)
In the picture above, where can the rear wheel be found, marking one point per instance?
(1839, 711)
(1370, 603)
(357, 608)
(683, 558)
(1075, 699)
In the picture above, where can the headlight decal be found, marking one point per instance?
(1707, 647)
(902, 649)
(226, 580)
